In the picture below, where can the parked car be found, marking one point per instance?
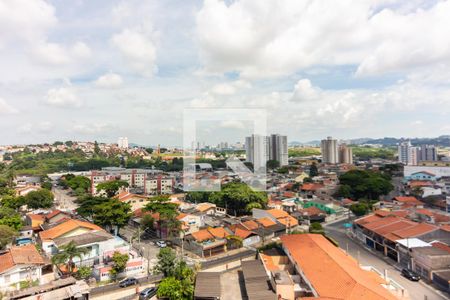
(410, 275)
(161, 244)
(148, 293)
(128, 281)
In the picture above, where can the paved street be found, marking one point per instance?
(416, 290)
(63, 200)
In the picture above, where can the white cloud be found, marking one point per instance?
(232, 124)
(230, 88)
(51, 53)
(109, 81)
(63, 97)
(81, 50)
(138, 49)
(5, 108)
(92, 128)
(58, 54)
(25, 20)
(280, 37)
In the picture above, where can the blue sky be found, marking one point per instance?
(97, 70)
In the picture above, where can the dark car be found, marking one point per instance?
(128, 281)
(148, 293)
(410, 275)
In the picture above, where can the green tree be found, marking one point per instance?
(345, 191)
(66, 255)
(111, 188)
(272, 164)
(366, 184)
(235, 197)
(167, 212)
(179, 281)
(96, 148)
(359, 209)
(39, 199)
(170, 288)
(313, 171)
(12, 201)
(307, 180)
(316, 227)
(119, 264)
(10, 217)
(87, 203)
(112, 213)
(197, 197)
(83, 273)
(147, 222)
(6, 235)
(79, 182)
(166, 262)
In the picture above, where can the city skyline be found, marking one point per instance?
(96, 71)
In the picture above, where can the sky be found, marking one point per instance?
(96, 70)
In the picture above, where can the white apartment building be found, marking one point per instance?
(122, 142)
(329, 148)
(407, 154)
(345, 154)
(257, 150)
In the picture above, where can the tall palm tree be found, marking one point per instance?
(66, 255)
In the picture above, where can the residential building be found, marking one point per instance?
(257, 151)
(143, 181)
(276, 215)
(428, 153)
(383, 229)
(18, 264)
(278, 149)
(64, 288)
(315, 268)
(345, 154)
(407, 154)
(329, 149)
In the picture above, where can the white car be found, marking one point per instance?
(161, 244)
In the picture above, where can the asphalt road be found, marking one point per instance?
(416, 290)
(63, 200)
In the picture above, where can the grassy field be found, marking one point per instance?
(303, 151)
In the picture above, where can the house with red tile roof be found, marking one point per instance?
(408, 201)
(381, 231)
(136, 201)
(208, 242)
(278, 216)
(324, 271)
(18, 264)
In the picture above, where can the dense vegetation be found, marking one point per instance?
(179, 277)
(361, 184)
(238, 198)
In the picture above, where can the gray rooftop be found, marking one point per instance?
(84, 239)
(256, 281)
(207, 285)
